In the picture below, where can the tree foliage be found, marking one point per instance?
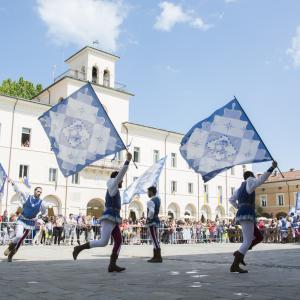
(20, 88)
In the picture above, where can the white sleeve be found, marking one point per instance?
(22, 196)
(151, 208)
(253, 183)
(113, 183)
(44, 207)
(233, 199)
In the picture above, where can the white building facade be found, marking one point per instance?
(25, 151)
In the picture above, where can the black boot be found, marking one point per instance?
(154, 256)
(242, 261)
(11, 253)
(112, 264)
(157, 256)
(235, 267)
(10, 247)
(78, 249)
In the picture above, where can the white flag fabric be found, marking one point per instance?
(80, 131)
(141, 185)
(223, 140)
(3, 177)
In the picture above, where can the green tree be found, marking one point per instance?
(20, 88)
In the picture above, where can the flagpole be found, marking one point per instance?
(258, 134)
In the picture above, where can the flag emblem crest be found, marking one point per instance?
(225, 139)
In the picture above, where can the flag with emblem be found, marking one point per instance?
(149, 178)
(223, 140)
(80, 131)
(3, 178)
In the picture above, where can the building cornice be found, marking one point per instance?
(25, 100)
(152, 128)
(85, 81)
(114, 57)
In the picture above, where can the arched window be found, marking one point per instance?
(94, 74)
(106, 78)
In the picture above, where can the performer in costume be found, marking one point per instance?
(111, 219)
(294, 225)
(153, 222)
(32, 205)
(244, 200)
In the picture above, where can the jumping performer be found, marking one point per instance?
(32, 205)
(244, 200)
(111, 218)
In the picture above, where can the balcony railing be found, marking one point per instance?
(82, 76)
(107, 164)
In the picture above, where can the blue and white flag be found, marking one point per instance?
(297, 205)
(80, 131)
(25, 181)
(223, 140)
(3, 178)
(141, 185)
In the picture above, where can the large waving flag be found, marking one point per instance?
(225, 139)
(3, 178)
(149, 178)
(80, 131)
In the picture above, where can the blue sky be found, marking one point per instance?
(181, 59)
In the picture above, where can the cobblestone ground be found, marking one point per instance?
(188, 272)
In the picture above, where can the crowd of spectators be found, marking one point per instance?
(57, 230)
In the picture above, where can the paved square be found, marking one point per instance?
(188, 272)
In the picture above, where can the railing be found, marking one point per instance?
(83, 76)
(107, 164)
(138, 235)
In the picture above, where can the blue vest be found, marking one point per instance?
(112, 207)
(244, 198)
(31, 207)
(156, 201)
(283, 224)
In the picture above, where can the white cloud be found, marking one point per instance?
(172, 14)
(294, 51)
(82, 21)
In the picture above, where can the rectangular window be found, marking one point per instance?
(173, 186)
(206, 196)
(155, 156)
(173, 160)
(136, 154)
(220, 194)
(190, 188)
(263, 200)
(232, 190)
(280, 199)
(52, 175)
(23, 171)
(25, 139)
(75, 178)
(232, 171)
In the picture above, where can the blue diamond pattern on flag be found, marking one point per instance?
(149, 178)
(80, 131)
(223, 140)
(3, 177)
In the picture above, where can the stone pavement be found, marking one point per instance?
(188, 272)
